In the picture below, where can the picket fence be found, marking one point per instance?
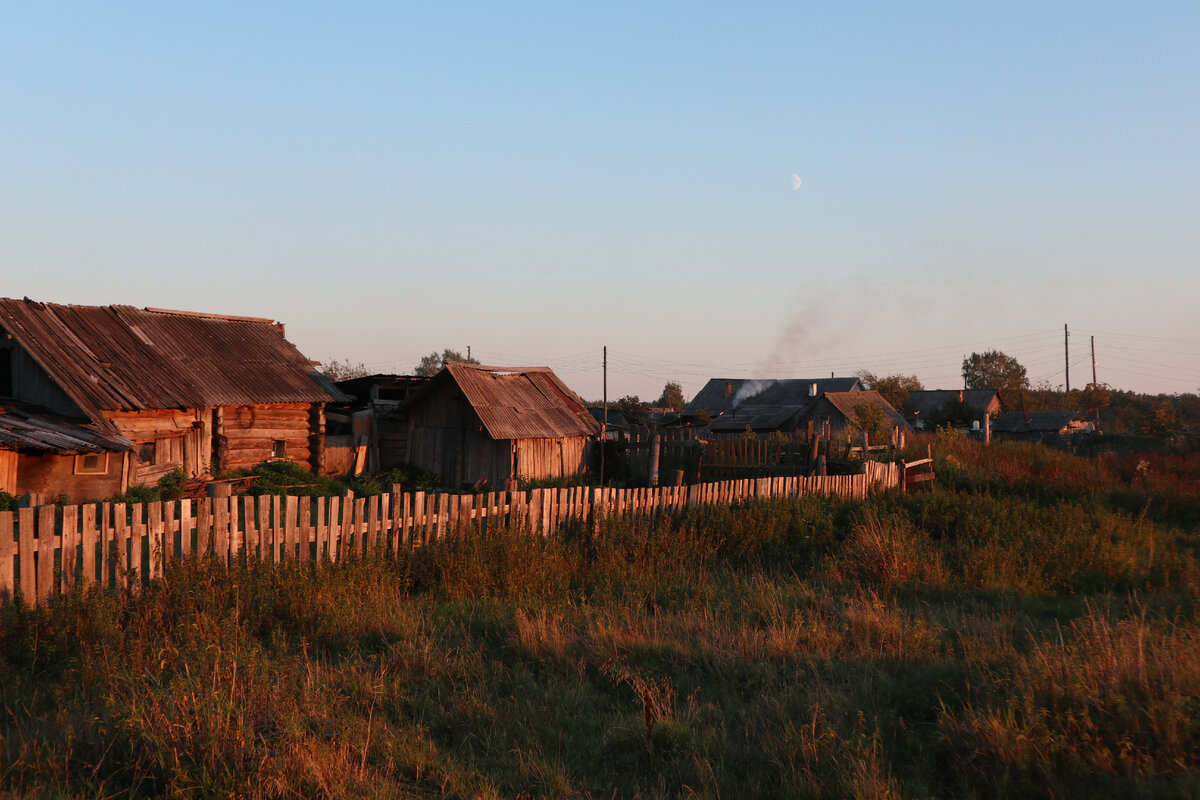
(51, 549)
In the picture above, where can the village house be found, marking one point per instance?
(736, 405)
(836, 413)
(144, 391)
(926, 409)
(472, 424)
(1047, 427)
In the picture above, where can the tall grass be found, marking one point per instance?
(977, 640)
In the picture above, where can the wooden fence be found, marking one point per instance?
(51, 549)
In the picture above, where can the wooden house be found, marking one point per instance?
(1049, 427)
(835, 413)
(184, 389)
(736, 405)
(473, 423)
(928, 408)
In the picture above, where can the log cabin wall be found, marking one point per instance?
(164, 439)
(244, 436)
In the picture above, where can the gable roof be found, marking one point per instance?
(517, 402)
(925, 403)
(720, 395)
(25, 428)
(846, 402)
(121, 358)
(1032, 421)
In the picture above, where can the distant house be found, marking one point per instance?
(616, 422)
(927, 408)
(762, 406)
(835, 412)
(171, 388)
(1039, 426)
(472, 422)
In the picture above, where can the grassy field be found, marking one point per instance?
(1028, 628)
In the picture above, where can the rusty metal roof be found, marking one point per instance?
(22, 428)
(121, 358)
(520, 402)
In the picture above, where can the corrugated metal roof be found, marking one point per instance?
(520, 402)
(720, 395)
(24, 429)
(756, 417)
(120, 358)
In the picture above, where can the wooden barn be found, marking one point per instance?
(184, 389)
(370, 432)
(834, 412)
(473, 423)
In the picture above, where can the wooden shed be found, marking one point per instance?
(184, 389)
(42, 453)
(472, 422)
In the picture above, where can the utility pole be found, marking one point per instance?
(1093, 361)
(604, 422)
(1095, 385)
(1067, 353)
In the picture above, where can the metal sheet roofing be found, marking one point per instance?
(521, 402)
(22, 428)
(720, 395)
(121, 358)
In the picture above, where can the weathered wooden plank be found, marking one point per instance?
(360, 525)
(250, 535)
(8, 555)
(70, 548)
(321, 525)
(291, 537)
(417, 526)
(305, 530)
(154, 538)
(266, 534)
(26, 547)
(120, 544)
(220, 527)
(89, 539)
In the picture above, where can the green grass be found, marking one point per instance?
(979, 640)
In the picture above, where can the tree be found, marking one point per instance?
(344, 370)
(432, 364)
(894, 388)
(868, 418)
(634, 410)
(994, 370)
(672, 397)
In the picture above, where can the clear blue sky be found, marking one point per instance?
(538, 180)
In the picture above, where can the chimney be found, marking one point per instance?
(812, 390)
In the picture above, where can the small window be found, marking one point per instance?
(91, 464)
(279, 449)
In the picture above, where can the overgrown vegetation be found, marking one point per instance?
(1029, 627)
